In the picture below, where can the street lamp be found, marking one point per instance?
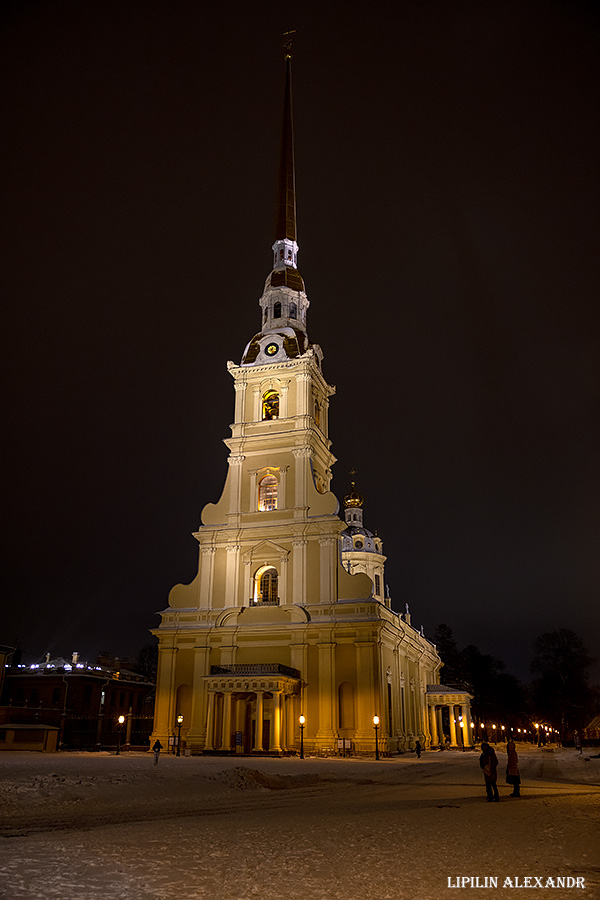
(179, 724)
(302, 721)
(376, 726)
(495, 740)
(462, 734)
(120, 720)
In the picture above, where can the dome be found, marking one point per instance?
(275, 346)
(353, 500)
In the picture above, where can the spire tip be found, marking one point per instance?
(288, 37)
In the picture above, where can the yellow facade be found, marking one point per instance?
(273, 626)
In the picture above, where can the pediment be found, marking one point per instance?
(265, 550)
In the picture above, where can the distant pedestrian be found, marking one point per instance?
(488, 761)
(418, 749)
(512, 769)
(577, 741)
(157, 747)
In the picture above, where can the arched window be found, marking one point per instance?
(270, 405)
(277, 309)
(265, 585)
(293, 310)
(267, 493)
(377, 586)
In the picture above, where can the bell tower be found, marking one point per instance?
(274, 626)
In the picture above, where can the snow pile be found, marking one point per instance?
(243, 779)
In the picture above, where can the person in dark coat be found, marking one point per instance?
(488, 761)
(512, 769)
(156, 748)
(418, 749)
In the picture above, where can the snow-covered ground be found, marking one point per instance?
(102, 827)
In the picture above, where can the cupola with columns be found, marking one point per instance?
(362, 551)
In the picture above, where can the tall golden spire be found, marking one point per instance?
(285, 248)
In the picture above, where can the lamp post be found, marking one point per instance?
(462, 734)
(376, 727)
(302, 721)
(495, 738)
(179, 724)
(120, 720)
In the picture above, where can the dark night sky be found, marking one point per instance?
(446, 158)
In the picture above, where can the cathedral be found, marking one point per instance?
(285, 641)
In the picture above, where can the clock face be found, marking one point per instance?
(271, 349)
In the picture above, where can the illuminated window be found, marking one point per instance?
(377, 585)
(265, 590)
(293, 310)
(270, 405)
(277, 309)
(267, 493)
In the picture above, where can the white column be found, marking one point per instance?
(282, 502)
(283, 401)
(433, 726)
(165, 691)
(466, 717)
(299, 571)
(235, 488)
(253, 490)
(365, 692)
(275, 732)
(210, 722)
(283, 580)
(207, 555)
(328, 569)
(198, 712)
(258, 731)
(327, 693)
(439, 723)
(240, 397)
(257, 412)
(226, 734)
(302, 394)
(453, 741)
(232, 576)
(302, 455)
(248, 587)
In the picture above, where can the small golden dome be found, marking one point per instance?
(353, 500)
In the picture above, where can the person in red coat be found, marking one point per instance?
(488, 761)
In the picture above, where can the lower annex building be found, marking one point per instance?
(287, 635)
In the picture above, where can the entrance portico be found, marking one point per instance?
(449, 716)
(252, 709)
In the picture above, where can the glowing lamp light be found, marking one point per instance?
(493, 726)
(375, 720)
(503, 728)
(121, 719)
(302, 720)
